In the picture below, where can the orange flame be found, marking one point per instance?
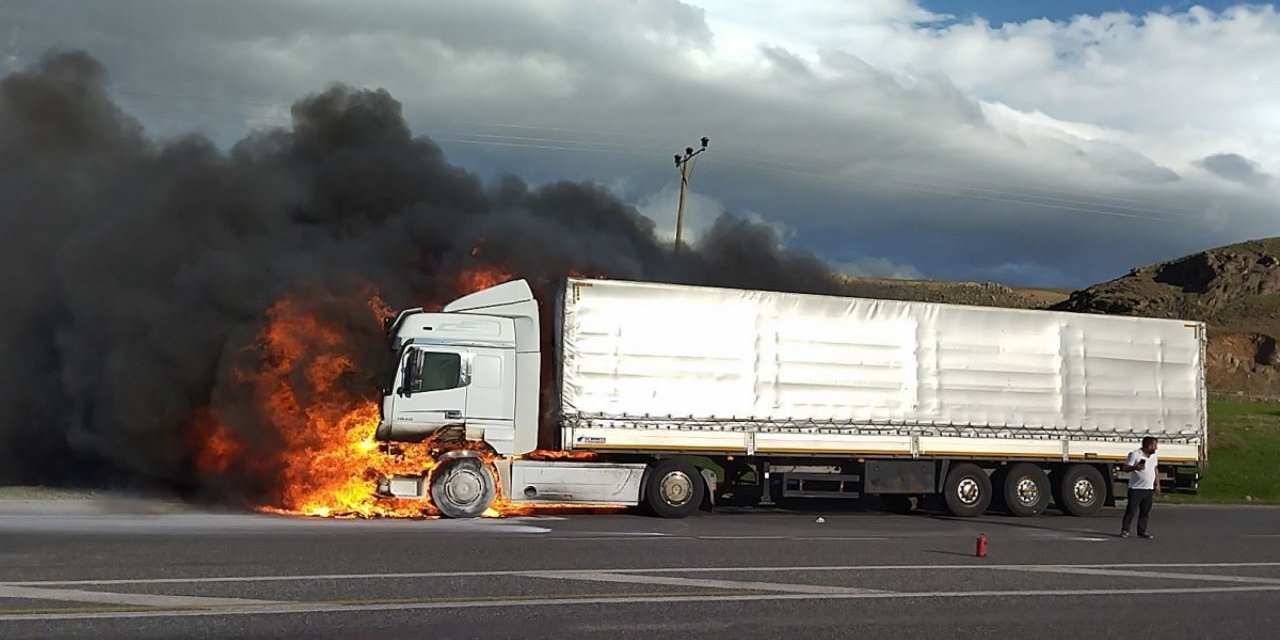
(325, 461)
(220, 446)
(473, 280)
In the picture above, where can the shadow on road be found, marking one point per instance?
(1016, 523)
(949, 553)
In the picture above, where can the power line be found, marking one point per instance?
(897, 183)
(520, 145)
(589, 143)
(1078, 204)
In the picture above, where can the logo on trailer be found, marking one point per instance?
(590, 440)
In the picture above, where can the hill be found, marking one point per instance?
(987, 294)
(1235, 289)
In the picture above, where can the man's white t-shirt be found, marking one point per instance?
(1146, 478)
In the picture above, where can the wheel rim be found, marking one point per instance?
(1028, 491)
(969, 492)
(676, 488)
(464, 486)
(1083, 491)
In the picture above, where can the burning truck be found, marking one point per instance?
(676, 397)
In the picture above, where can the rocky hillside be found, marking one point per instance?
(1235, 289)
(987, 294)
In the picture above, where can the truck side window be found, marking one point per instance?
(436, 372)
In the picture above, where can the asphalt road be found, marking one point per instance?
(77, 573)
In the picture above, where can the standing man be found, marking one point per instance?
(1144, 484)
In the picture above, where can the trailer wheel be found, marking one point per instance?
(463, 488)
(1081, 490)
(1025, 490)
(968, 491)
(674, 489)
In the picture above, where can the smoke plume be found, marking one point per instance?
(138, 273)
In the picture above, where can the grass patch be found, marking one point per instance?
(1244, 455)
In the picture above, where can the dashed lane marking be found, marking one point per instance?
(632, 578)
(1121, 573)
(136, 599)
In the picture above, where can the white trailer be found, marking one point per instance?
(690, 395)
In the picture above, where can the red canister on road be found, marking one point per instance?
(982, 545)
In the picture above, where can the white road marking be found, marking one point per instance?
(562, 602)
(618, 538)
(632, 578)
(819, 538)
(623, 534)
(1121, 573)
(515, 572)
(138, 599)
(743, 537)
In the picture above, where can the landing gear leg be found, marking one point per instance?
(766, 492)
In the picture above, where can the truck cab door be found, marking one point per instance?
(430, 392)
(491, 396)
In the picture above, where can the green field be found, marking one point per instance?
(1244, 454)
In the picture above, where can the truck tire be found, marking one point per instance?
(674, 489)
(967, 491)
(1025, 490)
(463, 488)
(1081, 490)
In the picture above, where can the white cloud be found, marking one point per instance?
(873, 127)
(700, 212)
(872, 267)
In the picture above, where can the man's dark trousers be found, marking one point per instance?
(1140, 503)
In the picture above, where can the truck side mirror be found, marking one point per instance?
(409, 373)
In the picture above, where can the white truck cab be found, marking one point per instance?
(472, 372)
(473, 367)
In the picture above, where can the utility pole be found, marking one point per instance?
(684, 164)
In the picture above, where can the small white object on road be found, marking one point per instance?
(820, 520)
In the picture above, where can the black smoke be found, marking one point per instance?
(137, 272)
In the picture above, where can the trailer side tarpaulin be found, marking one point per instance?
(664, 355)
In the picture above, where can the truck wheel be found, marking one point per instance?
(968, 491)
(1081, 490)
(674, 489)
(463, 488)
(1025, 489)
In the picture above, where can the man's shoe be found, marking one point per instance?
(1147, 536)
(1124, 534)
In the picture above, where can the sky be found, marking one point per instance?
(1001, 11)
(1038, 143)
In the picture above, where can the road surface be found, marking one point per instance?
(77, 573)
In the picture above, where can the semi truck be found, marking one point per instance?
(676, 398)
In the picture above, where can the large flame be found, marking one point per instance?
(323, 460)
